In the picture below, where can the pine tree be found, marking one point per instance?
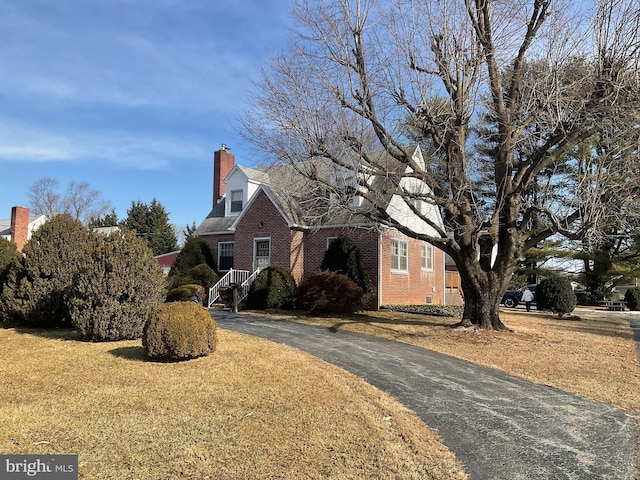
(151, 222)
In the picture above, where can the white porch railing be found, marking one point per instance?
(242, 278)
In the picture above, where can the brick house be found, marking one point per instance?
(259, 219)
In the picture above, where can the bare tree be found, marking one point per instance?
(504, 91)
(84, 203)
(44, 200)
(80, 201)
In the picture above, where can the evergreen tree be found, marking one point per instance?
(195, 252)
(151, 223)
(107, 220)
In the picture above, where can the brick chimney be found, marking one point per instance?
(19, 226)
(223, 161)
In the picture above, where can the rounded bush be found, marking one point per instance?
(180, 331)
(274, 287)
(114, 294)
(331, 293)
(632, 299)
(201, 274)
(187, 293)
(556, 294)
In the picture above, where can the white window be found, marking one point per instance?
(399, 256)
(225, 256)
(330, 240)
(261, 253)
(427, 256)
(236, 201)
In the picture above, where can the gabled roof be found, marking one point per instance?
(299, 200)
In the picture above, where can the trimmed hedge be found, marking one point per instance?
(331, 293)
(274, 287)
(556, 294)
(180, 331)
(201, 274)
(632, 298)
(187, 293)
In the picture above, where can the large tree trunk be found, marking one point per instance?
(483, 289)
(482, 309)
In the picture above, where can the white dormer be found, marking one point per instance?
(241, 185)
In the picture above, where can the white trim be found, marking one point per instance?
(329, 241)
(262, 188)
(404, 271)
(255, 249)
(431, 248)
(219, 249)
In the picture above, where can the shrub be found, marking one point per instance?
(274, 287)
(180, 331)
(37, 292)
(9, 258)
(201, 274)
(187, 293)
(332, 293)
(556, 294)
(116, 292)
(632, 298)
(195, 252)
(343, 256)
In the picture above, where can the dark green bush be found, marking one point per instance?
(556, 294)
(343, 256)
(632, 298)
(9, 258)
(274, 287)
(115, 293)
(37, 292)
(180, 331)
(201, 274)
(187, 293)
(331, 293)
(195, 252)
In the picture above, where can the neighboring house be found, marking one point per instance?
(19, 228)
(166, 260)
(260, 217)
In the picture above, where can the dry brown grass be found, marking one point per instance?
(253, 409)
(593, 357)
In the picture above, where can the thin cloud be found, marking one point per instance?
(119, 149)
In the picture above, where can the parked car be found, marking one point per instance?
(512, 298)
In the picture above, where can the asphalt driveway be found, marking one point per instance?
(499, 426)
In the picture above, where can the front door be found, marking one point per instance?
(262, 255)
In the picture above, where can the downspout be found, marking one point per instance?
(379, 269)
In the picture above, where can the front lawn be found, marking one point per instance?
(254, 409)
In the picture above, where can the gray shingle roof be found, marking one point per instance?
(301, 200)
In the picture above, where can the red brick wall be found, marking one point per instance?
(365, 239)
(301, 253)
(414, 286)
(212, 242)
(263, 220)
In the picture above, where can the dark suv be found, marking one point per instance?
(512, 298)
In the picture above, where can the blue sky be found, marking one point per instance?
(131, 96)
